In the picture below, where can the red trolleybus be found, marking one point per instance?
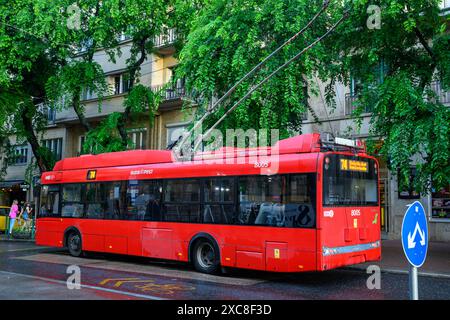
(319, 211)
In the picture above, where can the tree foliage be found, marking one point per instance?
(395, 65)
(227, 38)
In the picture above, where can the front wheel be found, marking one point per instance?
(74, 244)
(206, 257)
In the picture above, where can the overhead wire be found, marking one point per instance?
(329, 31)
(250, 73)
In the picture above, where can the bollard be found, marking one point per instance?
(33, 229)
(7, 226)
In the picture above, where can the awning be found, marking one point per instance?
(10, 183)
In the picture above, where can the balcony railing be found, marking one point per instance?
(350, 105)
(172, 92)
(49, 113)
(350, 100)
(443, 95)
(165, 39)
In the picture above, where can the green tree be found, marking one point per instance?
(228, 38)
(27, 60)
(395, 64)
(142, 22)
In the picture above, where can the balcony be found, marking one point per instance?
(443, 95)
(171, 95)
(445, 6)
(48, 113)
(350, 105)
(164, 42)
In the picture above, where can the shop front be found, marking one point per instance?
(13, 190)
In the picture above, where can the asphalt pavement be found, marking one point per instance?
(31, 272)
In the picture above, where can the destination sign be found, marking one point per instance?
(353, 165)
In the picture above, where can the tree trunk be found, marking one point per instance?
(32, 139)
(79, 111)
(122, 122)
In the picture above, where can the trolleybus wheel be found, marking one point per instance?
(206, 257)
(74, 244)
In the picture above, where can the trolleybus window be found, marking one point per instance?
(349, 181)
(49, 201)
(144, 200)
(72, 200)
(219, 199)
(281, 201)
(96, 203)
(182, 200)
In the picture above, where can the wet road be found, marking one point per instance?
(31, 272)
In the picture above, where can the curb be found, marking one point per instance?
(400, 271)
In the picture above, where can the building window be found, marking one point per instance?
(409, 192)
(87, 95)
(21, 155)
(48, 113)
(440, 203)
(123, 37)
(55, 146)
(81, 141)
(357, 86)
(121, 83)
(174, 132)
(138, 138)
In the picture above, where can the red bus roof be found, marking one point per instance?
(299, 144)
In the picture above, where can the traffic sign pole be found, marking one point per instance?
(415, 243)
(413, 283)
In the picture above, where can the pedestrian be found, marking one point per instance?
(25, 214)
(13, 216)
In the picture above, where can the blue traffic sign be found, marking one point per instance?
(415, 234)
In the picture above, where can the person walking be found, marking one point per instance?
(25, 215)
(13, 216)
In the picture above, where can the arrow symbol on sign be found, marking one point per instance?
(411, 242)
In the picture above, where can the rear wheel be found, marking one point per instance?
(206, 256)
(74, 244)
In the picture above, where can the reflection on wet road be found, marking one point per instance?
(29, 272)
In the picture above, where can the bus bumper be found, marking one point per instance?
(334, 257)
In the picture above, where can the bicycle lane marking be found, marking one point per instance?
(127, 293)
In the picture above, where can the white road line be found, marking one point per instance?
(400, 271)
(423, 274)
(137, 295)
(147, 269)
(24, 249)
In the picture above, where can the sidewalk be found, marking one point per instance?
(3, 237)
(393, 259)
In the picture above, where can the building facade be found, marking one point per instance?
(65, 136)
(341, 122)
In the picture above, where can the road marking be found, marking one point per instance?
(167, 288)
(137, 295)
(149, 285)
(23, 249)
(399, 271)
(58, 259)
(146, 269)
(120, 279)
